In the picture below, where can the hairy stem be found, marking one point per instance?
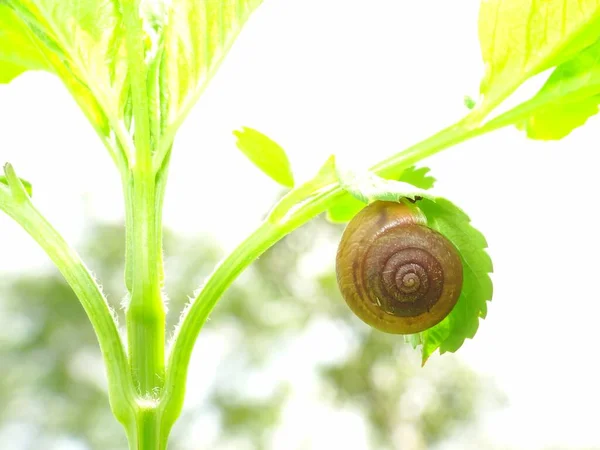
(120, 388)
(145, 312)
(224, 274)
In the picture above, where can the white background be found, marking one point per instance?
(338, 76)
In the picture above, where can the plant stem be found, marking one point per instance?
(120, 388)
(224, 274)
(145, 313)
(147, 434)
(138, 72)
(144, 275)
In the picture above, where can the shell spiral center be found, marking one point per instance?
(406, 281)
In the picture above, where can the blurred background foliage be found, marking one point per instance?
(281, 334)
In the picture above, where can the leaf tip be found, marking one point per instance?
(425, 358)
(266, 154)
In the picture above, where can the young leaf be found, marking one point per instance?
(569, 97)
(368, 187)
(82, 42)
(198, 35)
(520, 38)
(17, 50)
(266, 154)
(9, 71)
(344, 209)
(419, 178)
(348, 206)
(557, 121)
(462, 323)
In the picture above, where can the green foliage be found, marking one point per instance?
(82, 42)
(520, 38)
(368, 187)
(419, 178)
(18, 52)
(266, 154)
(346, 207)
(463, 321)
(197, 37)
(569, 97)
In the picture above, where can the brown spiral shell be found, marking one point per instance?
(395, 273)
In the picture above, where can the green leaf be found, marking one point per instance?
(368, 187)
(419, 178)
(520, 38)
(348, 206)
(462, 323)
(566, 101)
(431, 339)
(569, 97)
(344, 209)
(266, 154)
(26, 184)
(81, 41)
(557, 121)
(198, 35)
(9, 71)
(18, 52)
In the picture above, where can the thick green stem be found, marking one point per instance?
(138, 71)
(145, 314)
(147, 433)
(144, 194)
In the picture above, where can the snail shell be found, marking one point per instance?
(395, 273)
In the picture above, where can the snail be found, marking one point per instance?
(395, 273)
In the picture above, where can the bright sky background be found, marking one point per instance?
(337, 76)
